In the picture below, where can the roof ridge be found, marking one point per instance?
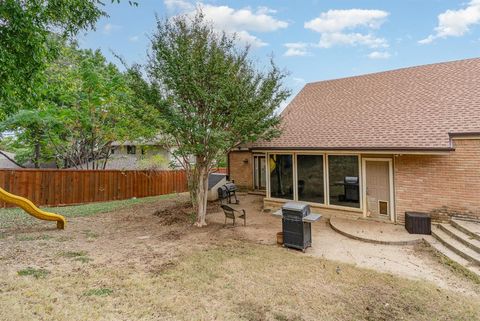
(393, 70)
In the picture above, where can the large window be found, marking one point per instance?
(344, 182)
(310, 178)
(281, 176)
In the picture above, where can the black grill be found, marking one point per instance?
(296, 233)
(228, 192)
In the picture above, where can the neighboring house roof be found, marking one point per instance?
(136, 143)
(5, 162)
(406, 109)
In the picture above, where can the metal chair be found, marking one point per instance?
(230, 213)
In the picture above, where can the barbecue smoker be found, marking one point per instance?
(228, 192)
(297, 233)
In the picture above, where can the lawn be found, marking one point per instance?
(233, 281)
(10, 217)
(132, 264)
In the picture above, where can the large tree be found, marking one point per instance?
(84, 104)
(212, 96)
(27, 45)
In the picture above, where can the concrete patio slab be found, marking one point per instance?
(374, 231)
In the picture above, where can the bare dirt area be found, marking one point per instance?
(147, 262)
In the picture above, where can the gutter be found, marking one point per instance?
(383, 150)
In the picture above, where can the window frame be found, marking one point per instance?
(324, 175)
(326, 179)
(294, 174)
(360, 182)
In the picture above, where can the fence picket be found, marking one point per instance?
(52, 187)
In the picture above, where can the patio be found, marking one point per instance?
(374, 231)
(369, 244)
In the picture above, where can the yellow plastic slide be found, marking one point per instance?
(31, 209)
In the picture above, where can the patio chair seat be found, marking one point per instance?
(231, 213)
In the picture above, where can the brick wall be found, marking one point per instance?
(440, 185)
(241, 168)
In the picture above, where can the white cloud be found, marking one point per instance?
(339, 27)
(379, 55)
(328, 40)
(296, 49)
(109, 28)
(455, 23)
(133, 38)
(339, 20)
(249, 39)
(299, 81)
(228, 18)
(178, 5)
(265, 10)
(242, 22)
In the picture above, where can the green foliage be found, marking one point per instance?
(153, 162)
(215, 97)
(27, 43)
(36, 273)
(83, 105)
(212, 97)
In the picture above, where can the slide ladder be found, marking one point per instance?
(31, 209)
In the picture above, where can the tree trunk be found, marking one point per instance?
(201, 194)
(36, 160)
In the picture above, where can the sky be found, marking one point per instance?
(311, 39)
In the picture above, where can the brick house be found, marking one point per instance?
(375, 145)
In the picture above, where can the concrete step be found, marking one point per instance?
(468, 227)
(460, 236)
(466, 218)
(447, 252)
(455, 245)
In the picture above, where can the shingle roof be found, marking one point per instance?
(410, 108)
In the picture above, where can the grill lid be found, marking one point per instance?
(295, 206)
(230, 187)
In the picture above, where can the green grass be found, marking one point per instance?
(73, 254)
(33, 237)
(36, 273)
(83, 259)
(90, 234)
(11, 217)
(79, 256)
(98, 292)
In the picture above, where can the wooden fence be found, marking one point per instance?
(61, 187)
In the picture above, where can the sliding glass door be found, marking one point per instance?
(310, 178)
(281, 176)
(344, 181)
